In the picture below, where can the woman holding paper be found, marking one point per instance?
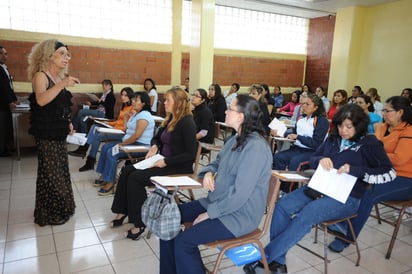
(308, 134)
(396, 135)
(237, 182)
(50, 123)
(176, 141)
(94, 137)
(139, 131)
(349, 149)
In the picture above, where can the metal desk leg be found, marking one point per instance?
(15, 117)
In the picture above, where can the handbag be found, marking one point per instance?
(313, 194)
(161, 215)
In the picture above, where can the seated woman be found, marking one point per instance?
(94, 137)
(176, 141)
(217, 103)
(256, 91)
(349, 149)
(105, 108)
(365, 102)
(236, 199)
(139, 131)
(396, 135)
(150, 88)
(203, 117)
(287, 110)
(309, 133)
(340, 98)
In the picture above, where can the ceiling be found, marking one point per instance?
(299, 8)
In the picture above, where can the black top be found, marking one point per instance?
(7, 95)
(183, 145)
(218, 108)
(108, 105)
(51, 122)
(203, 118)
(265, 116)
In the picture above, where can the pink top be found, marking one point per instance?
(289, 108)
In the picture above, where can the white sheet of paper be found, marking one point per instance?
(290, 176)
(279, 126)
(102, 124)
(77, 139)
(174, 181)
(148, 163)
(115, 150)
(158, 118)
(332, 184)
(110, 130)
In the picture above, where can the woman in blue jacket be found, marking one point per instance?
(349, 149)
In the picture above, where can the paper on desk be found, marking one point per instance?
(279, 126)
(77, 139)
(332, 184)
(22, 105)
(284, 139)
(291, 176)
(102, 124)
(149, 162)
(110, 130)
(174, 181)
(158, 118)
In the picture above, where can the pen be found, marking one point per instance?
(214, 175)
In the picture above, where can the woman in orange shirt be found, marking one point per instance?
(396, 135)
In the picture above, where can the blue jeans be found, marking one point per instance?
(295, 215)
(79, 124)
(107, 164)
(397, 190)
(291, 158)
(94, 138)
(181, 255)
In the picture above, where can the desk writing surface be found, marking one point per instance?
(291, 176)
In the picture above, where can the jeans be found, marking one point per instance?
(181, 255)
(94, 138)
(79, 124)
(291, 158)
(397, 190)
(295, 215)
(107, 164)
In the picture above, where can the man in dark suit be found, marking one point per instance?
(8, 101)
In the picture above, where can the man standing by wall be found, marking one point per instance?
(8, 101)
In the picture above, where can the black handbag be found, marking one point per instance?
(313, 194)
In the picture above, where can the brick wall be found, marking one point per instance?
(319, 53)
(93, 64)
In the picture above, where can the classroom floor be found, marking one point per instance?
(87, 244)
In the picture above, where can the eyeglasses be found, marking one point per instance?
(384, 111)
(196, 95)
(65, 54)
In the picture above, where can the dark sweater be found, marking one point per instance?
(367, 159)
(218, 108)
(108, 104)
(203, 118)
(183, 145)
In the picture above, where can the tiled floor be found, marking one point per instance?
(86, 244)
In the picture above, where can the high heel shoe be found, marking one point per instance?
(134, 236)
(118, 222)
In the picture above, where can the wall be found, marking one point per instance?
(371, 48)
(320, 41)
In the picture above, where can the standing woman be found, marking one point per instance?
(236, 197)
(203, 117)
(150, 88)
(176, 141)
(217, 103)
(50, 123)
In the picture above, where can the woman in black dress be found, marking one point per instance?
(50, 123)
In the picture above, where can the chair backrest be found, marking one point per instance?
(197, 159)
(273, 195)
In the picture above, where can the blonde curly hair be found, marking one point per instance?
(39, 57)
(181, 107)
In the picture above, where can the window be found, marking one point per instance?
(130, 20)
(253, 30)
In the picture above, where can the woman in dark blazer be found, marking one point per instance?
(176, 141)
(203, 117)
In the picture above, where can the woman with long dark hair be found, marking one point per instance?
(217, 103)
(237, 182)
